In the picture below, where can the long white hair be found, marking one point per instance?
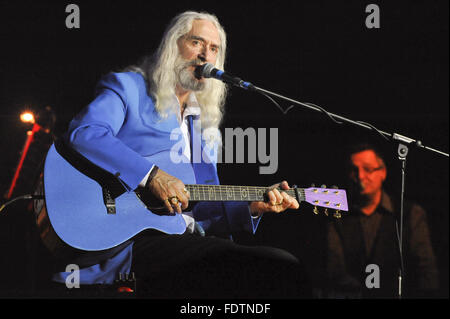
(159, 71)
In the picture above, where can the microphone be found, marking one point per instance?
(207, 70)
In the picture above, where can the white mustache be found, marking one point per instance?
(192, 63)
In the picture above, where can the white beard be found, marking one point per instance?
(186, 78)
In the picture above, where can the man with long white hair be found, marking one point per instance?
(128, 131)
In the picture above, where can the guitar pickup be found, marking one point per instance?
(109, 201)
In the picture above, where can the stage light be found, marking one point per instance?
(27, 117)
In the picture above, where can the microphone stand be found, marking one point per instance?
(402, 152)
(30, 136)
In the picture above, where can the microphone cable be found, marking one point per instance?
(23, 197)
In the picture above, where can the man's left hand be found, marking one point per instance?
(278, 201)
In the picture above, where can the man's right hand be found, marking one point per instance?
(169, 190)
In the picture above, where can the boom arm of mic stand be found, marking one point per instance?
(393, 136)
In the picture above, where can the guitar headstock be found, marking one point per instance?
(329, 198)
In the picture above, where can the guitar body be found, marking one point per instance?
(77, 212)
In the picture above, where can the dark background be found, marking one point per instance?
(395, 78)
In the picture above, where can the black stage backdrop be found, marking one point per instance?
(394, 77)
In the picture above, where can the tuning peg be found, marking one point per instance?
(313, 185)
(326, 212)
(334, 187)
(337, 214)
(315, 210)
(323, 186)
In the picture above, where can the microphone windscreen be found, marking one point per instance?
(203, 71)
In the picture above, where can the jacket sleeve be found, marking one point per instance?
(93, 131)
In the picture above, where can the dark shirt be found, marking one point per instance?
(358, 240)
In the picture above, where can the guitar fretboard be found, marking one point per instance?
(235, 193)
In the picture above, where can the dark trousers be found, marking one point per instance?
(191, 266)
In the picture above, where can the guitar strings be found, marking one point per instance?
(206, 192)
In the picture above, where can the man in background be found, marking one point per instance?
(369, 236)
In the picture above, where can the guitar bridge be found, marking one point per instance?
(109, 201)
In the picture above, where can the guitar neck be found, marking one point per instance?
(235, 193)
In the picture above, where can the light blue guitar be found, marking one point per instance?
(89, 209)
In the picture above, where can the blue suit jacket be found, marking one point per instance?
(122, 132)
